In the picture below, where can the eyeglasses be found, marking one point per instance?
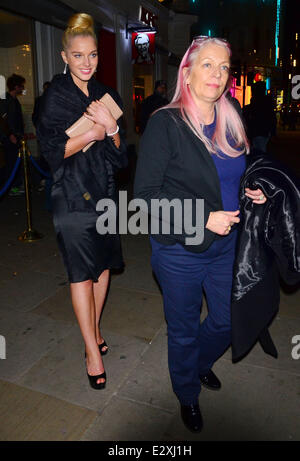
(204, 37)
(199, 37)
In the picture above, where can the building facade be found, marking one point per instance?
(30, 45)
(254, 29)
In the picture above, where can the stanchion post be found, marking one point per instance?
(29, 234)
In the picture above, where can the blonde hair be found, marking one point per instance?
(78, 24)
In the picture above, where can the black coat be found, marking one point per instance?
(269, 244)
(83, 174)
(174, 164)
(14, 116)
(260, 118)
(149, 105)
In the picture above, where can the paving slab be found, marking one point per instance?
(58, 306)
(133, 313)
(254, 404)
(289, 305)
(24, 254)
(151, 382)
(51, 264)
(7, 273)
(282, 330)
(33, 416)
(62, 374)
(125, 420)
(34, 288)
(28, 337)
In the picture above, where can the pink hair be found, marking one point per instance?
(228, 120)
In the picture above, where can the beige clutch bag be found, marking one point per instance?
(83, 124)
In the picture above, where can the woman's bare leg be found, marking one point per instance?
(82, 295)
(100, 290)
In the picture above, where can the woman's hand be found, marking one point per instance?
(99, 113)
(220, 222)
(97, 133)
(257, 196)
(77, 143)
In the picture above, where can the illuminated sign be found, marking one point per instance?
(277, 33)
(143, 48)
(147, 17)
(258, 77)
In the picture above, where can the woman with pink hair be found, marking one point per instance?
(195, 148)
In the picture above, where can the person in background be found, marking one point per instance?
(37, 104)
(14, 118)
(194, 148)
(260, 118)
(153, 102)
(45, 183)
(4, 141)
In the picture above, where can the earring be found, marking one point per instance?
(65, 69)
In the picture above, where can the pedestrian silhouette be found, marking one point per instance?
(260, 118)
(153, 102)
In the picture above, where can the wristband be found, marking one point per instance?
(115, 132)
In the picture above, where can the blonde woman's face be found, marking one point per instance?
(81, 57)
(209, 74)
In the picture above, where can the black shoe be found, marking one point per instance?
(101, 346)
(191, 416)
(210, 381)
(93, 381)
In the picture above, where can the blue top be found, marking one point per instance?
(230, 171)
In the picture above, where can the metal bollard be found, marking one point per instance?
(29, 234)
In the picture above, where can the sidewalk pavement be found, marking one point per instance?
(44, 390)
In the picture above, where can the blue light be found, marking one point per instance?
(209, 33)
(277, 32)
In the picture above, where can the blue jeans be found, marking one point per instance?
(193, 347)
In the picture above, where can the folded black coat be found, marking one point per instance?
(268, 245)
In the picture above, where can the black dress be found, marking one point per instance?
(80, 180)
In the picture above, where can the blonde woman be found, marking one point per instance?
(81, 179)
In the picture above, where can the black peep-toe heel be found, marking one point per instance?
(93, 381)
(103, 352)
